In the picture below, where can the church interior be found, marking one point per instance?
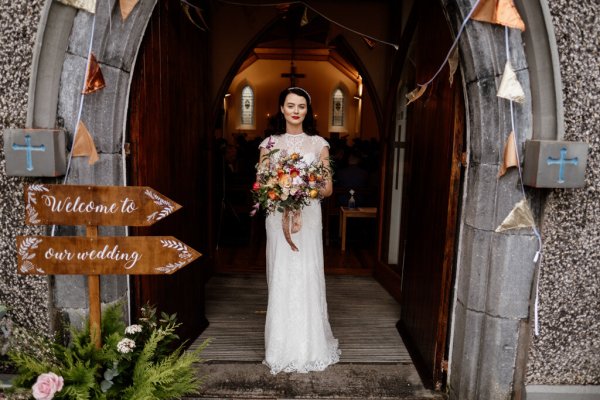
(290, 54)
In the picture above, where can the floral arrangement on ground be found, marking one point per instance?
(135, 362)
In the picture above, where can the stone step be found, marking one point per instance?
(341, 381)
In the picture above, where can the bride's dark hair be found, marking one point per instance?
(308, 125)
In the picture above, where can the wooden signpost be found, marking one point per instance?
(92, 255)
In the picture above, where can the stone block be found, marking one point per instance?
(35, 152)
(497, 360)
(511, 275)
(484, 44)
(555, 164)
(103, 111)
(71, 290)
(484, 117)
(465, 353)
(106, 171)
(115, 41)
(481, 196)
(45, 75)
(490, 115)
(508, 194)
(474, 266)
(113, 287)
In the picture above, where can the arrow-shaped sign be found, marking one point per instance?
(137, 255)
(95, 205)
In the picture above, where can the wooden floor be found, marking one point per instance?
(362, 315)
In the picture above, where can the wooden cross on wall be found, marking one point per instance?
(293, 75)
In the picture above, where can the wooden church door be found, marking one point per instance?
(169, 145)
(434, 133)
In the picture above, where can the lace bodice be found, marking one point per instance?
(308, 146)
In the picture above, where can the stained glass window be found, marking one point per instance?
(337, 112)
(247, 106)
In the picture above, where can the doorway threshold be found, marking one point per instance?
(374, 363)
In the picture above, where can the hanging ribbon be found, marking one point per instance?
(291, 223)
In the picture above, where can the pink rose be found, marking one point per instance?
(46, 385)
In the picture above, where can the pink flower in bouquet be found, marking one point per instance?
(47, 385)
(256, 186)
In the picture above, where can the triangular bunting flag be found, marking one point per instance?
(510, 155)
(519, 217)
(87, 5)
(126, 7)
(501, 12)
(84, 144)
(369, 42)
(304, 20)
(94, 78)
(415, 94)
(510, 88)
(453, 64)
(197, 19)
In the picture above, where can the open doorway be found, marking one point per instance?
(199, 146)
(291, 53)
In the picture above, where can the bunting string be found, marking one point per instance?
(234, 3)
(538, 254)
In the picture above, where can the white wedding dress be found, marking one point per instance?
(298, 336)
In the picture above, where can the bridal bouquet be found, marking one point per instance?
(285, 183)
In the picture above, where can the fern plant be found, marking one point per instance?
(140, 361)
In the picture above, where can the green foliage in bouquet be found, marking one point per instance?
(139, 361)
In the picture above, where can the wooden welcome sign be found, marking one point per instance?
(95, 205)
(138, 255)
(92, 255)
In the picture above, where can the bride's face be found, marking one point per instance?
(294, 110)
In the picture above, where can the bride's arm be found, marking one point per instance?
(328, 189)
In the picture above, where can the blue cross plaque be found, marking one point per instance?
(35, 152)
(554, 164)
(28, 148)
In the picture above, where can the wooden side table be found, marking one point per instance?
(361, 212)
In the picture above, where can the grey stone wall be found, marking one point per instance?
(567, 351)
(27, 296)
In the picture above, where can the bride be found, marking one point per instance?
(298, 336)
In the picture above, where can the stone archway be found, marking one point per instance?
(494, 271)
